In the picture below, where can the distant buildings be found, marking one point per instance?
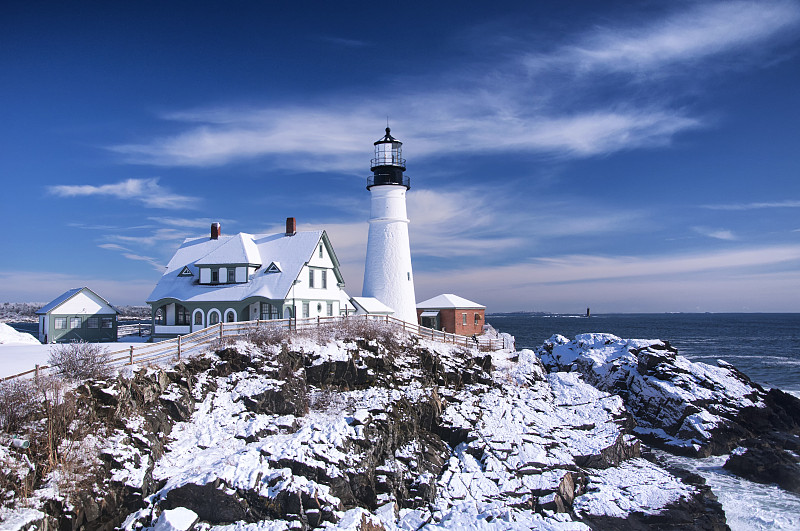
(79, 314)
(451, 313)
(245, 277)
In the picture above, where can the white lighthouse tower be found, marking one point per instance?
(387, 274)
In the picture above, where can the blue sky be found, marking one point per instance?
(625, 156)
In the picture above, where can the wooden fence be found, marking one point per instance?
(183, 346)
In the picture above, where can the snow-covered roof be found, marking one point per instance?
(67, 295)
(448, 300)
(371, 305)
(292, 252)
(237, 249)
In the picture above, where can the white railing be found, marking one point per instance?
(182, 346)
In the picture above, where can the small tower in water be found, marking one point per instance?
(387, 272)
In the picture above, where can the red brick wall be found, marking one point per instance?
(452, 319)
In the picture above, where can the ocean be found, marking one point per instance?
(766, 347)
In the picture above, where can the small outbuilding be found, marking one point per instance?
(80, 314)
(451, 313)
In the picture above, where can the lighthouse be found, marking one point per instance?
(387, 272)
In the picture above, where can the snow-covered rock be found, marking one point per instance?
(373, 433)
(689, 408)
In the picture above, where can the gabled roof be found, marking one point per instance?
(448, 300)
(236, 249)
(67, 295)
(292, 252)
(371, 305)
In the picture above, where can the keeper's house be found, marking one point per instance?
(451, 313)
(80, 314)
(246, 277)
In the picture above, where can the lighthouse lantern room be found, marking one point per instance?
(388, 165)
(387, 272)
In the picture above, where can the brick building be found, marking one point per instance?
(451, 313)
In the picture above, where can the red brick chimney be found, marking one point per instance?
(216, 230)
(291, 226)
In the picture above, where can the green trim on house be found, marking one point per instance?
(94, 328)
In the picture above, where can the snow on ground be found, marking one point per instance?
(9, 336)
(16, 358)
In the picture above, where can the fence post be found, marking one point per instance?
(37, 373)
(179, 348)
(221, 330)
(131, 356)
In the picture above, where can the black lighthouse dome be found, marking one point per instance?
(388, 165)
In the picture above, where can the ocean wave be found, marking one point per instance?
(747, 505)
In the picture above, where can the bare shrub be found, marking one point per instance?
(268, 334)
(80, 361)
(368, 329)
(18, 400)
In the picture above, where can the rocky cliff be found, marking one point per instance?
(370, 429)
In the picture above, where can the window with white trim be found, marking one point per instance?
(74, 322)
(60, 323)
(198, 318)
(329, 310)
(306, 310)
(213, 318)
(310, 278)
(324, 282)
(268, 311)
(320, 250)
(181, 315)
(464, 319)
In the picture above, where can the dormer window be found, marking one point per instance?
(215, 276)
(231, 275)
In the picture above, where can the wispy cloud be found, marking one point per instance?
(755, 206)
(348, 43)
(548, 283)
(700, 32)
(151, 238)
(189, 223)
(510, 108)
(719, 234)
(148, 192)
(131, 255)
